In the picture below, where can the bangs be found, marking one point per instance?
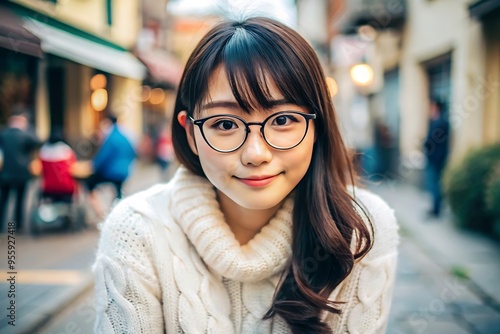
(253, 63)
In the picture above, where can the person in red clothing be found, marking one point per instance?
(57, 158)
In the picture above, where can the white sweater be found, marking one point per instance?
(168, 262)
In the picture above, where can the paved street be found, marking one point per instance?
(429, 296)
(51, 271)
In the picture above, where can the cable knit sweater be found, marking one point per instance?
(168, 262)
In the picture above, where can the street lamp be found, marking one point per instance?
(98, 81)
(157, 96)
(99, 99)
(362, 75)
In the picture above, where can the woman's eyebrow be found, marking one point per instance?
(221, 104)
(235, 105)
(280, 102)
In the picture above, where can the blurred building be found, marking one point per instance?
(187, 31)
(487, 13)
(411, 52)
(451, 55)
(20, 53)
(312, 24)
(83, 64)
(154, 49)
(365, 47)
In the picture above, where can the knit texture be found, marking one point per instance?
(168, 262)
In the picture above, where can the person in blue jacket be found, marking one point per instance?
(112, 161)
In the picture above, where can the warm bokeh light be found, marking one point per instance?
(362, 74)
(146, 93)
(98, 81)
(157, 96)
(332, 86)
(99, 99)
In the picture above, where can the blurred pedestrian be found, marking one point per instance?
(146, 146)
(164, 149)
(57, 159)
(112, 162)
(383, 142)
(436, 146)
(18, 144)
(260, 230)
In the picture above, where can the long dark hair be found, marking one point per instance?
(325, 220)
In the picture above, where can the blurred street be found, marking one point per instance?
(54, 269)
(447, 279)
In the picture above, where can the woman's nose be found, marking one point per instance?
(255, 150)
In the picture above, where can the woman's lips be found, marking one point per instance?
(258, 181)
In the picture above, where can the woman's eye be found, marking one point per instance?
(284, 120)
(225, 125)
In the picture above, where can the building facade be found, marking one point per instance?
(419, 50)
(86, 66)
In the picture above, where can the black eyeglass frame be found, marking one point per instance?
(201, 121)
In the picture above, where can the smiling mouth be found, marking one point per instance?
(258, 181)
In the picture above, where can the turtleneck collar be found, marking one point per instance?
(195, 208)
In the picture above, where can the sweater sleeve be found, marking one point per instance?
(128, 293)
(367, 291)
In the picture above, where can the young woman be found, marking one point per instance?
(261, 229)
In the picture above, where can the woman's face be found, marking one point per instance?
(256, 176)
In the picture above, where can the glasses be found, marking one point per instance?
(226, 133)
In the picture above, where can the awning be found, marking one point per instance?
(14, 36)
(162, 67)
(86, 52)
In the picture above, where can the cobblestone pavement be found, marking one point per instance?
(447, 279)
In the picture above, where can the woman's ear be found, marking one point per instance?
(186, 123)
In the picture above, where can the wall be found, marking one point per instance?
(126, 103)
(42, 103)
(91, 16)
(312, 20)
(79, 118)
(434, 28)
(187, 32)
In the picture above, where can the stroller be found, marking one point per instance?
(59, 203)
